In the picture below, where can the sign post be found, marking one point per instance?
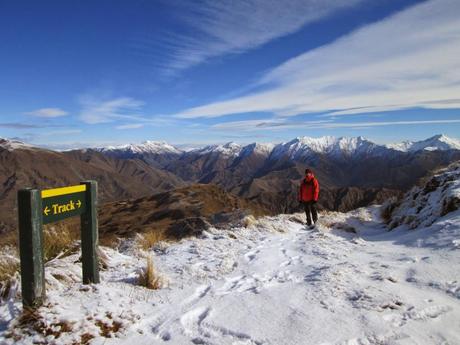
(36, 208)
(31, 247)
(89, 235)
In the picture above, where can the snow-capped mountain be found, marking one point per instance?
(155, 147)
(303, 147)
(230, 149)
(298, 148)
(257, 148)
(438, 142)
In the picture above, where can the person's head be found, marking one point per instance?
(308, 173)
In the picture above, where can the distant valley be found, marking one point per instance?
(353, 172)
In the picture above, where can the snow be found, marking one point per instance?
(11, 145)
(230, 149)
(425, 204)
(303, 147)
(437, 142)
(145, 147)
(350, 281)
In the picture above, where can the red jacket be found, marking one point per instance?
(309, 189)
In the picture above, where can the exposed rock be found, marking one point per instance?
(187, 227)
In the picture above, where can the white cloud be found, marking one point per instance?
(48, 112)
(264, 125)
(408, 60)
(95, 111)
(216, 28)
(130, 126)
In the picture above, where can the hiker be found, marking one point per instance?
(308, 196)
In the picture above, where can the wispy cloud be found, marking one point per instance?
(407, 60)
(216, 28)
(130, 126)
(95, 111)
(264, 125)
(48, 112)
(16, 125)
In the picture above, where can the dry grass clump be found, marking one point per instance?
(148, 239)
(58, 239)
(249, 221)
(149, 277)
(9, 268)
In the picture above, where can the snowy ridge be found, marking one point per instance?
(437, 142)
(230, 149)
(256, 148)
(152, 147)
(302, 147)
(11, 145)
(424, 205)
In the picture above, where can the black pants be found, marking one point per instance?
(310, 211)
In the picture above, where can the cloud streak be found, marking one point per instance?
(96, 111)
(15, 125)
(264, 125)
(216, 28)
(48, 112)
(130, 126)
(407, 60)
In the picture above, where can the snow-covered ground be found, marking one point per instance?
(272, 282)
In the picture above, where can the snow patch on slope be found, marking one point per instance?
(12, 145)
(424, 205)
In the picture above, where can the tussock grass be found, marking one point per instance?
(59, 239)
(249, 221)
(9, 269)
(149, 277)
(148, 239)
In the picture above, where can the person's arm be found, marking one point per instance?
(316, 190)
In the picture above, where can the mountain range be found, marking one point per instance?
(353, 172)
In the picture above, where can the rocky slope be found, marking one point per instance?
(423, 205)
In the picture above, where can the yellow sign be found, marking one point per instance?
(61, 203)
(63, 191)
(56, 208)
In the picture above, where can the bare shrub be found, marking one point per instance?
(388, 208)
(450, 205)
(148, 276)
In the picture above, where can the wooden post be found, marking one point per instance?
(90, 235)
(31, 248)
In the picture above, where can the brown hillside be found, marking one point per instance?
(43, 169)
(162, 211)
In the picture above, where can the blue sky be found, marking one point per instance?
(94, 73)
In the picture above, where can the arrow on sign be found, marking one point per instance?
(46, 211)
(79, 203)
